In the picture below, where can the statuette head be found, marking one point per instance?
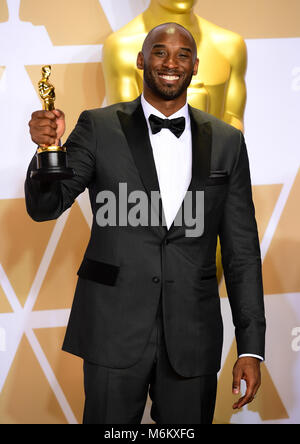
(177, 5)
(46, 71)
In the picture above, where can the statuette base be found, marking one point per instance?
(52, 165)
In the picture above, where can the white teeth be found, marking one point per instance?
(170, 77)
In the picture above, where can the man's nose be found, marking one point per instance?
(170, 62)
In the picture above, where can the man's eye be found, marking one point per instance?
(160, 53)
(185, 56)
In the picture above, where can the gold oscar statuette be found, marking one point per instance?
(51, 160)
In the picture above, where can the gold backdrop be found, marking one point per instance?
(38, 262)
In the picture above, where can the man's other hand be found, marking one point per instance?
(248, 369)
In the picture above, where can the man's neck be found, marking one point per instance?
(166, 107)
(156, 14)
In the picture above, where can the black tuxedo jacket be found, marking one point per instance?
(127, 269)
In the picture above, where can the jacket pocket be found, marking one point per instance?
(100, 272)
(217, 178)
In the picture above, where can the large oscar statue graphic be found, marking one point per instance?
(51, 160)
(218, 88)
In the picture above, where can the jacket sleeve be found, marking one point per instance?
(241, 259)
(48, 200)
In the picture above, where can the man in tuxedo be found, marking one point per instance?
(146, 311)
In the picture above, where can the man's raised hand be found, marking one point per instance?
(47, 127)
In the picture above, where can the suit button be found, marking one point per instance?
(155, 279)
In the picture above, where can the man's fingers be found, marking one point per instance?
(236, 388)
(247, 398)
(236, 383)
(248, 369)
(44, 140)
(43, 124)
(243, 401)
(43, 130)
(43, 114)
(47, 127)
(58, 113)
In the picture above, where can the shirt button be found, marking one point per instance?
(155, 279)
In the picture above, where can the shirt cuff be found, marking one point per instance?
(251, 355)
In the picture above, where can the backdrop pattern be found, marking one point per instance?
(38, 262)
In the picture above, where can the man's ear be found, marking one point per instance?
(196, 65)
(140, 60)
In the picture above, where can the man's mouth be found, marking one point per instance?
(169, 78)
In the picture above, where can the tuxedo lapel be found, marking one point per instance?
(135, 128)
(201, 145)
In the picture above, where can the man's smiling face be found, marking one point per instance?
(169, 61)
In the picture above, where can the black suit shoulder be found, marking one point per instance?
(216, 123)
(107, 112)
(226, 140)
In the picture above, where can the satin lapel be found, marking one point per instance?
(135, 128)
(201, 140)
(201, 159)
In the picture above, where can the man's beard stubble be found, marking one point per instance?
(165, 93)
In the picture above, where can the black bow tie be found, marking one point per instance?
(177, 126)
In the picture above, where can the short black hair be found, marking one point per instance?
(177, 25)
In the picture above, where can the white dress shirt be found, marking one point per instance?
(173, 162)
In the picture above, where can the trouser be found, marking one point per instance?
(118, 396)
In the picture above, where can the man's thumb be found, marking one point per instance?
(236, 384)
(58, 113)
